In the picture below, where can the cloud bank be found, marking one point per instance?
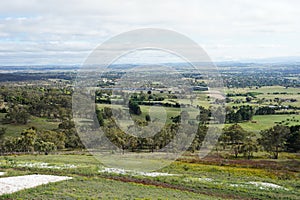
(65, 32)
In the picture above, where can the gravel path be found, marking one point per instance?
(13, 184)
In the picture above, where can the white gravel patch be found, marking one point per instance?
(206, 179)
(264, 185)
(131, 172)
(154, 174)
(13, 184)
(2, 173)
(46, 165)
(114, 170)
(260, 185)
(251, 184)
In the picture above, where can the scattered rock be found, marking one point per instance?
(45, 165)
(131, 172)
(263, 185)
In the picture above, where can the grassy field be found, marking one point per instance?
(156, 112)
(267, 121)
(268, 93)
(100, 188)
(87, 183)
(261, 122)
(16, 129)
(190, 180)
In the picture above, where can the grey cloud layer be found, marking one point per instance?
(227, 29)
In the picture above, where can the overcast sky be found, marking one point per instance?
(65, 31)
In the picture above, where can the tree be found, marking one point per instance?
(248, 99)
(23, 143)
(2, 133)
(243, 113)
(293, 139)
(107, 113)
(134, 108)
(265, 111)
(249, 147)
(150, 97)
(57, 138)
(246, 112)
(148, 118)
(235, 135)
(204, 115)
(46, 147)
(273, 140)
(17, 115)
(72, 139)
(199, 137)
(132, 143)
(27, 140)
(223, 140)
(22, 117)
(9, 144)
(100, 117)
(176, 119)
(293, 142)
(119, 140)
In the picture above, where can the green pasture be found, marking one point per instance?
(156, 112)
(262, 122)
(16, 129)
(267, 93)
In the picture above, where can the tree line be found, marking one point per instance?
(233, 138)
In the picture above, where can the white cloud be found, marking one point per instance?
(227, 29)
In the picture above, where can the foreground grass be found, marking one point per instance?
(100, 188)
(87, 183)
(191, 180)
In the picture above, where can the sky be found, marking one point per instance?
(40, 32)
